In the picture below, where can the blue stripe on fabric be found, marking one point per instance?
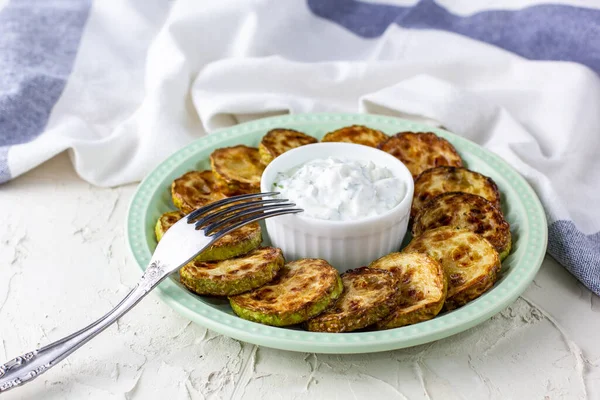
(542, 32)
(4, 171)
(38, 44)
(578, 252)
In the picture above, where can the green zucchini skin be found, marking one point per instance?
(303, 289)
(232, 276)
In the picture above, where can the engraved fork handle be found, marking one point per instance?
(30, 365)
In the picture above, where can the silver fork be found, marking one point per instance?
(180, 244)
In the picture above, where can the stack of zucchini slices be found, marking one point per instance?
(459, 233)
(459, 239)
(259, 284)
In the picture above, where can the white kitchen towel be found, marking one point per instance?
(121, 85)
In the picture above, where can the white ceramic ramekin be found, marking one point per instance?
(344, 244)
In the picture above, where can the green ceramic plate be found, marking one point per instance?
(522, 210)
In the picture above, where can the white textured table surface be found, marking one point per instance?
(64, 262)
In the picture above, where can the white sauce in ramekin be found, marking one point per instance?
(341, 190)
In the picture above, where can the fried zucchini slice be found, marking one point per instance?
(166, 221)
(236, 243)
(232, 276)
(237, 169)
(195, 189)
(469, 211)
(436, 181)
(369, 295)
(358, 134)
(302, 289)
(278, 141)
(470, 262)
(421, 151)
(422, 285)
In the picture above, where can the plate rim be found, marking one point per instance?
(475, 312)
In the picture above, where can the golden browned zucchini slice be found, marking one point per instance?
(436, 181)
(369, 295)
(232, 276)
(469, 211)
(301, 290)
(237, 169)
(166, 221)
(470, 262)
(421, 151)
(358, 134)
(195, 189)
(236, 243)
(422, 285)
(278, 141)
(240, 241)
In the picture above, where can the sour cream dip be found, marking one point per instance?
(341, 190)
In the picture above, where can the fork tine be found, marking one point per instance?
(196, 213)
(236, 207)
(249, 219)
(232, 218)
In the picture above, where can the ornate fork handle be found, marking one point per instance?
(30, 365)
(178, 247)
